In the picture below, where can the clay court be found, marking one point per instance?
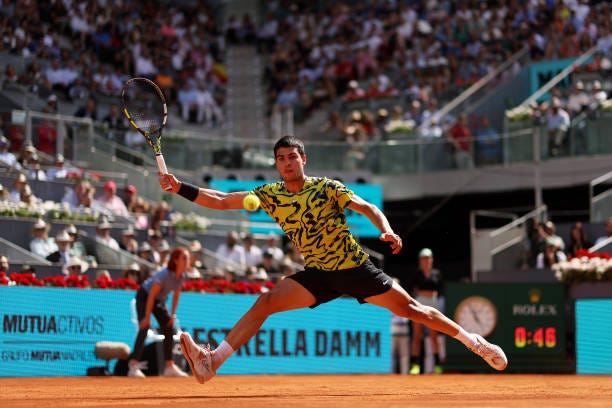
(449, 390)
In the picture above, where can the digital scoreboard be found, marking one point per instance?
(528, 321)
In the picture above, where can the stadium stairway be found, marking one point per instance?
(245, 108)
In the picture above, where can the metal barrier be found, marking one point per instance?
(601, 203)
(501, 246)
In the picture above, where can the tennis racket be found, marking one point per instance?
(144, 105)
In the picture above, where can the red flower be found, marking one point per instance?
(240, 287)
(25, 279)
(77, 281)
(584, 253)
(55, 281)
(103, 282)
(125, 284)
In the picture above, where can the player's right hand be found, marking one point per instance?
(169, 183)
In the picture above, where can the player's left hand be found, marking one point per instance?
(394, 239)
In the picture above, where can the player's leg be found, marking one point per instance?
(401, 303)
(398, 301)
(286, 295)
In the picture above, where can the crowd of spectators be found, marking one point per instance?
(420, 53)
(243, 261)
(82, 51)
(546, 247)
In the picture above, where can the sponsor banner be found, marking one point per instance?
(542, 72)
(593, 334)
(53, 332)
(527, 320)
(359, 224)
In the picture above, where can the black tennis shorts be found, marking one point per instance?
(361, 282)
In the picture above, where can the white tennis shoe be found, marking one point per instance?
(174, 371)
(199, 358)
(135, 369)
(490, 353)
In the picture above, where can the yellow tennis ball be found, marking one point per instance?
(250, 202)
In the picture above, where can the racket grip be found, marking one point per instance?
(161, 164)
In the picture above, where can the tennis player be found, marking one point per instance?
(310, 210)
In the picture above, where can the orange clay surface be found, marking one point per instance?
(289, 391)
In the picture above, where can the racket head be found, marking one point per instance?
(144, 106)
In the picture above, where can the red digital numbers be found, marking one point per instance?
(550, 337)
(538, 337)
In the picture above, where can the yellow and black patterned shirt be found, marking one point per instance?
(314, 221)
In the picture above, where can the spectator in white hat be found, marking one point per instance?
(128, 240)
(260, 277)
(578, 100)
(42, 245)
(103, 235)
(598, 96)
(75, 267)
(28, 197)
(18, 185)
(133, 273)
(271, 246)
(33, 168)
(62, 255)
(76, 247)
(58, 171)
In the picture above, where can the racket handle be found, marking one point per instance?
(161, 164)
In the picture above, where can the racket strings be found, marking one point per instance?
(144, 107)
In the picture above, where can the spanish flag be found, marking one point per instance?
(220, 72)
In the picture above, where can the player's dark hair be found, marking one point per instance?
(289, 141)
(176, 252)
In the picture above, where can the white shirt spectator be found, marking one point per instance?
(6, 156)
(561, 257)
(144, 65)
(54, 73)
(578, 99)
(43, 247)
(78, 21)
(108, 241)
(235, 254)
(558, 120)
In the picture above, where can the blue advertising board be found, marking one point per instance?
(360, 225)
(542, 72)
(593, 334)
(53, 332)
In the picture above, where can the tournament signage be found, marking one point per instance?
(53, 332)
(526, 320)
(359, 224)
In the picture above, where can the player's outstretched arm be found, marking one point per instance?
(377, 217)
(204, 197)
